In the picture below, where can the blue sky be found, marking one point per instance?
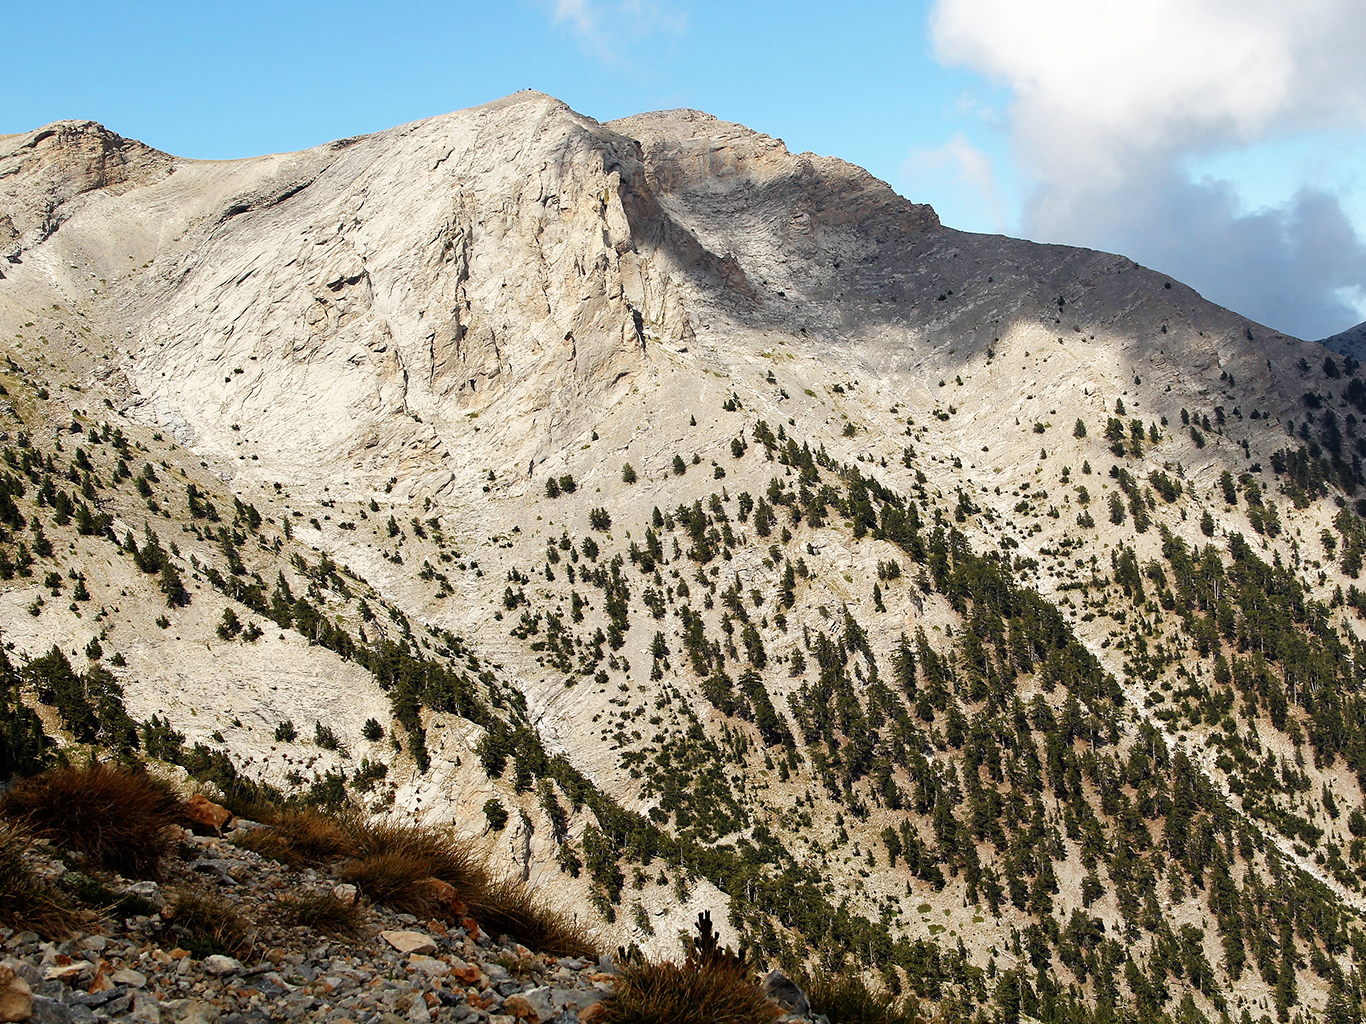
(1190, 164)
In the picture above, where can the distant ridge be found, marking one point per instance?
(1351, 342)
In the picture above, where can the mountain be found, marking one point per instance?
(1349, 342)
(975, 614)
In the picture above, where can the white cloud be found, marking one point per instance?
(956, 167)
(1110, 97)
(604, 28)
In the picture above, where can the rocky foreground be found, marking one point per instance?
(393, 967)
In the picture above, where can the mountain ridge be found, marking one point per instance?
(418, 366)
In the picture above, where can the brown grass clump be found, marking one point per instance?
(509, 908)
(712, 986)
(323, 913)
(417, 870)
(400, 881)
(403, 866)
(119, 818)
(300, 838)
(206, 924)
(715, 993)
(849, 1000)
(438, 853)
(28, 901)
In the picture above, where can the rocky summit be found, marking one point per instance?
(685, 525)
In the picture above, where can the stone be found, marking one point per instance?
(574, 1000)
(49, 1011)
(786, 993)
(518, 1006)
(119, 1004)
(69, 974)
(16, 997)
(345, 892)
(95, 997)
(146, 1009)
(206, 818)
(131, 978)
(542, 1000)
(470, 974)
(192, 1011)
(409, 941)
(218, 965)
(149, 891)
(429, 966)
(101, 983)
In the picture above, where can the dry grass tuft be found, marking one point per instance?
(206, 924)
(323, 913)
(509, 908)
(712, 986)
(400, 881)
(300, 838)
(119, 818)
(403, 866)
(848, 1000)
(437, 853)
(717, 992)
(27, 901)
(426, 872)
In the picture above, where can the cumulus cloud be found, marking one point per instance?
(604, 27)
(1109, 99)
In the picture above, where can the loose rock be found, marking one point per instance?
(16, 997)
(409, 942)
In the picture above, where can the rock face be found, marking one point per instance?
(513, 253)
(362, 304)
(52, 173)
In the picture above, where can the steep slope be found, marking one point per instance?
(972, 611)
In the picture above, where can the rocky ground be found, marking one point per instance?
(393, 968)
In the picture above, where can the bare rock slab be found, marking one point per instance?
(410, 942)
